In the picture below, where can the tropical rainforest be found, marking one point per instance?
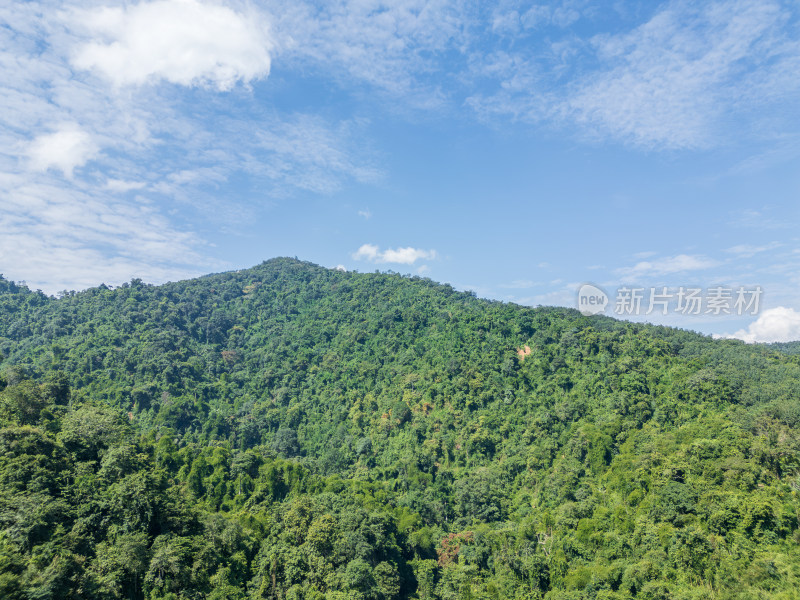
(295, 432)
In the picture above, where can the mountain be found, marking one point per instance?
(787, 347)
(290, 431)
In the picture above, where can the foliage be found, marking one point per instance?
(289, 431)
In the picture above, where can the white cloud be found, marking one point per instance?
(780, 324)
(157, 161)
(58, 237)
(369, 252)
(668, 265)
(122, 186)
(403, 256)
(561, 14)
(395, 47)
(305, 152)
(675, 81)
(365, 213)
(66, 149)
(749, 250)
(759, 219)
(560, 294)
(181, 41)
(669, 81)
(679, 80)
(407, 256)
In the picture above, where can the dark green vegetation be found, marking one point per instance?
(787, 347)
(294, 432)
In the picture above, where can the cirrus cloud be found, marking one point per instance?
(668, 265)
(676, 81)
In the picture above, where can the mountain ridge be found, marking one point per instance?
(613, 460)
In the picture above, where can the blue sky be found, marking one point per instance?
(515, 149)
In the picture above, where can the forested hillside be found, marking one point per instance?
(290, 431)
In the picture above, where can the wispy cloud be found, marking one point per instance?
(759, 219)
(306, 152)
(676, 81)
(750, 250)
(394, 47)
(122, 186)
(513, 17)
(66, 238)
(145, 109)
(667, 266)
(403, 256)
(669, 81)
(117, 111)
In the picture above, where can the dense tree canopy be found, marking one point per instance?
(290, 431)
